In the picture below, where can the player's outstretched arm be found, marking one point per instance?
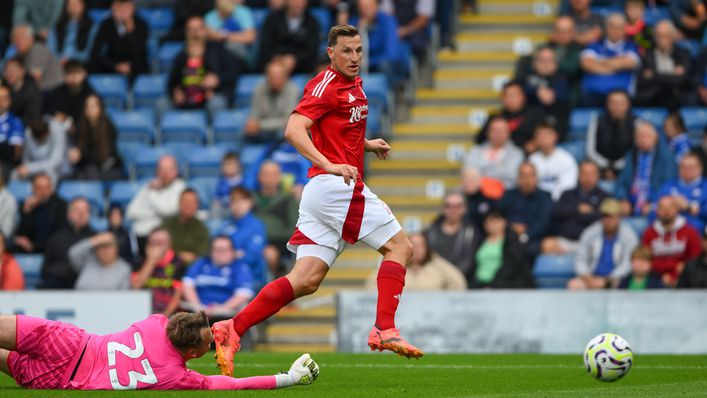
(296, 134)
(303, 371)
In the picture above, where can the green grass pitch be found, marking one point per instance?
(436, 376)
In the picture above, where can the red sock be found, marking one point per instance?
(391, 279)
(269, 301)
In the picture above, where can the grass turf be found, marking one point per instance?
(378, 375)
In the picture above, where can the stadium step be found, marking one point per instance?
(502, 42)
(301, 333)
(413, 165)
(518, 7)
(435, 131)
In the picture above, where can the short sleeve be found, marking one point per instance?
(319, 97)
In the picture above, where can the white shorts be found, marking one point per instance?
(333, 214)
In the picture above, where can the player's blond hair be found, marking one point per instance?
(184, 329)
(340, 30)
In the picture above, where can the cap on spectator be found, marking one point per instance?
(610, 207)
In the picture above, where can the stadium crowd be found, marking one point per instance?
(595, 157)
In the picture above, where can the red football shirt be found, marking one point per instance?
(339, 108)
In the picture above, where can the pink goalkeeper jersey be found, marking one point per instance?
(142, 357)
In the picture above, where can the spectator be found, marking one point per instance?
(8, 209)
(121, 42)
(232, 24)
(11, 276)
(231, 177)
(453, 237)
(95, 154)
(219, 284)
(44, 150)
(664, 80)
(556, 168)
(547, 88)
(57, 272)
(183, 10)
(190, 237)
(127, 243)
(641, 277)
(521, 117)
(294, 168)
(67, 100)
(689, 190)
(42, 15)
(576, 210)
(248, 234)
(648, 167)
(610, 136)
(609, 64)
(383, 45)
(98, 264)
(203, 74)
(157, 199)
(290, 36)
(604, 250)
(427, 270)
(676, 134)
(12, 134)
(567, 50)
(271, 104)
(700, 77)
(500, 261)
(72, 36)
(587, 24)
(637, 30)
(673, 242)
(527, 208)
(413, 19)
(37, 58)
(161, 272)
(694, 276)
(689, 16)
(481, 193)
(43, 213)
(278, 210)
(26, 97)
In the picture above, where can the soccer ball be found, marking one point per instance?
(608, 357)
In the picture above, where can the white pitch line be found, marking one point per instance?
(431, 366)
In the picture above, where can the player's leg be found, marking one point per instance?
(4, 364)
(8, 332)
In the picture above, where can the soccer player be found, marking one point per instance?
(150, 354)
(337, 208)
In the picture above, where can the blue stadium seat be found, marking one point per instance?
(91, 190)
(259, 15)
(252, 152)
(148, 89)
(136, 126)
(300, 80)
(553, 271)
(245, 88)
(98, 14)
(146, 161)
(579, 122)
(323, 16)
(655, 14)
(112, 88)
(31, 265)
(639, 224)
(205, 161)
(205, 187)
(122, 192)
(20, 189)
(99, 224)
(695, 118)
(166, 55)
(228, 126)
(377, 90)
(576, 148)
(654, 116)
(160, 19)
(374, 125)
(184, 126)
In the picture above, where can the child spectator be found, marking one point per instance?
(676, 133)
(11, 276)
(231, 177)
(72, 36)
(98, 265)
(641, 277)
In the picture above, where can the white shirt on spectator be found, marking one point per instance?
(557, 172)
(8, 212)
(150, 206)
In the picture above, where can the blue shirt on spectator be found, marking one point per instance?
(224, 187)
(603, 84)
(294, 166)
(606, 259)
(248, 236)
(679, 145)
(696, 194)
(217, 284)
(241, 19)
(12, 131)
(383, 42)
